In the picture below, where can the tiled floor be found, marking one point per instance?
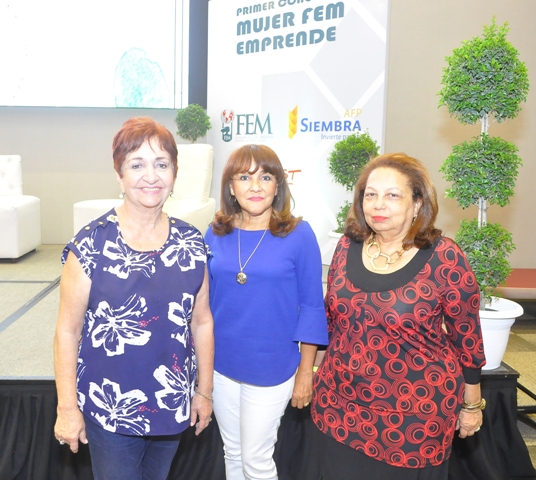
(29, 297)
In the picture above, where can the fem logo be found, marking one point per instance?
(227, 117)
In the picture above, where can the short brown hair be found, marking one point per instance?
(282, 222)
(134, 133)
(422, 232)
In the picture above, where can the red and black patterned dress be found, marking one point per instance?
(392, 380)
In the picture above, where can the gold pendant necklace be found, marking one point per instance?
(388, 261)
(241, 277)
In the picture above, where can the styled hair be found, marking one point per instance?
(422, 232)
(241, 161)
(134, 133)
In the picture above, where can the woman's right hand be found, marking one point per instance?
(70, 428)
(75, 286)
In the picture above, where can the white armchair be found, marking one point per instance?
(190, 201)
(20, 215)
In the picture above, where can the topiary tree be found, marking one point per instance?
(484, 81)
(192, 122)
(346, 161)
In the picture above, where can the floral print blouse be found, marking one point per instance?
(136, 363)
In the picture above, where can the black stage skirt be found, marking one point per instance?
(327, 459)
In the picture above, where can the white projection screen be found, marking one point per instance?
(94, 53)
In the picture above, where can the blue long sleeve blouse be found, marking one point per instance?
(258, 325)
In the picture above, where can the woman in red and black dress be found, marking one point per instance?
(402, 370)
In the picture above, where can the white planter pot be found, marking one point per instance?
(329, 249)
(496, 323)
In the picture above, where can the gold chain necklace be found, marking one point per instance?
(388, 260)
(241, 277)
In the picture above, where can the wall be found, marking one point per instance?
(67, 152)
(421, 35)
(197, 66)
(66, 157)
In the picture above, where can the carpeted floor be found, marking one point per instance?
(521, 355)
(29, 297)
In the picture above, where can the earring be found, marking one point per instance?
(413, 221)
(172, 194)
(122, 195)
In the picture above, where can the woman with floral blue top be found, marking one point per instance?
(134, 334)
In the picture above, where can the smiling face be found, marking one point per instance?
(255, 194)
(147, 176)
(388, 203)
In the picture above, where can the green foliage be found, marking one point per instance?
(341, 217)
(486, 249)
(485, 77)
(349, 156)
(192, 122)
(486, 167)
(346, 161)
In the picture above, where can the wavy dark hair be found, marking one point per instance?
(134, 133)
(422, 232)
(240, 161)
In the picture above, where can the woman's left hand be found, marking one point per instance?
(303, 389)
(203, 333)
(201, 413)
(469, 423)
(303, 382)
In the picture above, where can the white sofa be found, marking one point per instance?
(20, 215)
(190, 201)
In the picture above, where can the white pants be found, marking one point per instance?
(249, 417)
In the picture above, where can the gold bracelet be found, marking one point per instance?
(203, 395)
(473, 407)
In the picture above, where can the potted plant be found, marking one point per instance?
(484, 82)
(190, 199)
(345, 162)
(192, 122)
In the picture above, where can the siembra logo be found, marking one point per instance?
(329, 129)
(246, 124)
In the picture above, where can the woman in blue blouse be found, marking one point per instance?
(266, 298)
(134, 331)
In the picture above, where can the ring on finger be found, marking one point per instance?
(62, 442)
(477, 429)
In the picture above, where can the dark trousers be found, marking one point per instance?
(125, 457)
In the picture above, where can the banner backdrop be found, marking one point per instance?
(298, 76)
